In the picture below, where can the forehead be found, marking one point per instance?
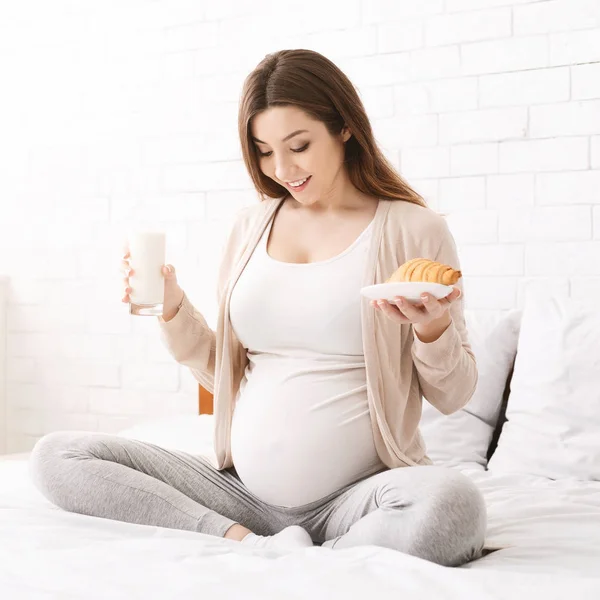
(277, 121)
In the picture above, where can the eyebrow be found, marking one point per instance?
(287, 137)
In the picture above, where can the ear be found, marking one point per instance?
(346, 133)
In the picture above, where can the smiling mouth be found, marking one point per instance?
(299, 187)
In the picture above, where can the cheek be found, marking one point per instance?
(315, 163)
(266, 167)
(309, 162)
(329, 160)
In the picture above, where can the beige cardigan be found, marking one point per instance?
(400, 368)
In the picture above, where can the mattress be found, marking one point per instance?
(548, 533)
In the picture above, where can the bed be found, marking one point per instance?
(543, 526)
(549, 533)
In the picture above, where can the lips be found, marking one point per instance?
(300, 187)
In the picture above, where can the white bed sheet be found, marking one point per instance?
(550, 532)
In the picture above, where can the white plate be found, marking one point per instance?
(411, 290)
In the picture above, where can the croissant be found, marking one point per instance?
(423, 269)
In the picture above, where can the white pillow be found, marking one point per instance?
(553, 412)
(188, 433)
(463, 438)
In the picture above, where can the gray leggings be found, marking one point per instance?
(431, 512)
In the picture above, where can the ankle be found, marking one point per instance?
(236, 532)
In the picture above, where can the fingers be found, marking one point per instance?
(126, 298)
(169, 272)
(454, 295)
(401, 310)
(436, 307)
(390, 310)
(128, 272)
(126, 267)
(409, 310)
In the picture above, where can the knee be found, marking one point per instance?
(454, 522)
(48, 456)
(434, 513)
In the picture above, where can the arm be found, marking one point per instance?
(191, 342)
(187, 336)
(430, 332)
(442, 355)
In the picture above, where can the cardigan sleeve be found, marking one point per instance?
(187, 336)
(446, 367)
(191, 342)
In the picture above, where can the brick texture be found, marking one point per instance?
(125, 113)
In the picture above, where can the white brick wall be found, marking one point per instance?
(121, 113)
(4, 281)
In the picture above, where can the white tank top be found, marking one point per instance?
(301, 427)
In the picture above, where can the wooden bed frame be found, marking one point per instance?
(205, 401)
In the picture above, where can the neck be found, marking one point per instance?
(351, 201)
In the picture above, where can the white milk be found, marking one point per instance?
(147, 256)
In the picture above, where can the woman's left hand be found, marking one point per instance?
(401, 311)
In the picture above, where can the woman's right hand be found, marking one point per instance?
(173, 292)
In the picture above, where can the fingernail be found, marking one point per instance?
(425, 298)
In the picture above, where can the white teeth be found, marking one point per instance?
(298, 183)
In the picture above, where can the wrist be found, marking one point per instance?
(430, 332)
(170, 312)
(167, 316)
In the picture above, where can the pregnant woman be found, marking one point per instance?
(318, 392)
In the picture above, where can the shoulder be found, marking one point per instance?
(248, 215)
(412, 230)
(407, 217)
(242, 224)
(245, 218)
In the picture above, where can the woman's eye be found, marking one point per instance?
(301, 149)
(265, 154)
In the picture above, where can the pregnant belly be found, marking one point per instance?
(291, 447)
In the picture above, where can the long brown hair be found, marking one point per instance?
(311, 82)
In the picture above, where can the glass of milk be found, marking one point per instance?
(147, 256)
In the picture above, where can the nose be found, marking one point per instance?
(284, 170)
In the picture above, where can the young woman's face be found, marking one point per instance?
(312, 156)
